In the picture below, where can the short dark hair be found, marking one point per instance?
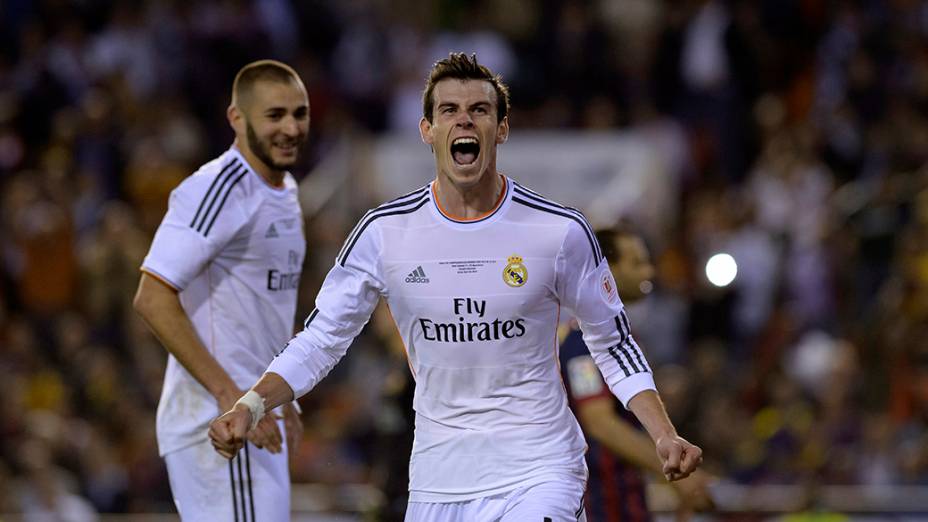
(261, 70)
(461, 67)
(607, 238)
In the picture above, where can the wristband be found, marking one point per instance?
(255, 405)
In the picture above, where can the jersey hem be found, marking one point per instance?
(447, 498)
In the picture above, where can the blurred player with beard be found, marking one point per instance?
(475, 269)
(219, 290)
(618, 450)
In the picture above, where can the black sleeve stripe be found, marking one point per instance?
(408, 195)
(225, 170)
(641, 360)
(619, 360)
(589, 236)
(627, 354)
(620, 327)
(223, 202)
(373, 217)
(519, 189)
(216, 195)
(525, 191)
(310, 318)
(543, 200)
(354, 232)
(625, 331)
(351, 237)
(412, 197)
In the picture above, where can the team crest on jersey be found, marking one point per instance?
(515, 274)
(607, 288)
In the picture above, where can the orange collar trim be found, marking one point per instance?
(481, 217)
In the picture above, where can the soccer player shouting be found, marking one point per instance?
(475, 269)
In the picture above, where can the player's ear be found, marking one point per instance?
(425, 131)
(236, 119)
(502, 131)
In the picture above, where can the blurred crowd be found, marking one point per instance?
(805, 131)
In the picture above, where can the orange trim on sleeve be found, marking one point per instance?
(160, 279)
(499, 202)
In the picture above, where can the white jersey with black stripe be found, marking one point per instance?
(477, 304)
(233, 247)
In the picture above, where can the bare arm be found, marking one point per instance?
(678, 456)
(600, 421)
(159, 305)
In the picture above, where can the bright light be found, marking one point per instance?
(721, 269)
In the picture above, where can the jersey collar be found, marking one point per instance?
(483, 218)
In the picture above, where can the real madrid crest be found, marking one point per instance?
(515, 274)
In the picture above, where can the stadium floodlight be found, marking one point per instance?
(721, 269)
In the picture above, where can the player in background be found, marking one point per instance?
(618, 450)
(219, 290)
(475, 269)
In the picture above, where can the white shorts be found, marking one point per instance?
(558, 500)
(252, 487)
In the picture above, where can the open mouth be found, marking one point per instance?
(464, 151)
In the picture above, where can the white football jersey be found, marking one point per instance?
(233, 247)
(477, 304)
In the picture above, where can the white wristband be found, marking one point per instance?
(255, 404)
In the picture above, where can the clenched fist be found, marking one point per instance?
(227, 432)
(678, 457)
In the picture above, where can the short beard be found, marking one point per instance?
(259, 150)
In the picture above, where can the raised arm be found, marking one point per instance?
(344, 304)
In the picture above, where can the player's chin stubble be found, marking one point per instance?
(263, 152)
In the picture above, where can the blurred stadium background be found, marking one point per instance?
(791, 134)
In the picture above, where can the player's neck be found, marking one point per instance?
(273, 177)
(469, 202)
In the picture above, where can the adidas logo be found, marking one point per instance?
(417, 276)
(271, 231)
